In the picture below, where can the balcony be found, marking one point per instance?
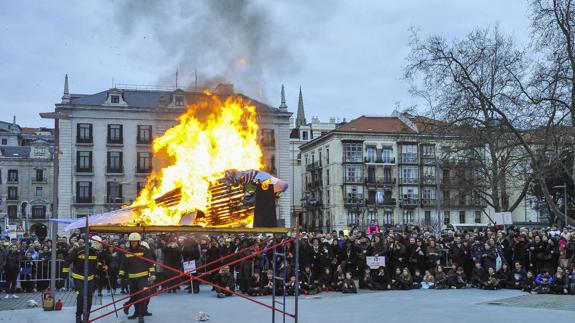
(370, 202)
(428, 202)
(370, 180)
(350, 201)
(352, 180)
(389, 202)
(428, 180)
(39, 180)
(313, 166)
(12, 180)
(387, 181)
(115, 200)
(408, 159)
(428, 160)
(140, 170)
(379, 160)
(409, 202)
(12, 197)
(115, 170)
(408, 181)
(88, 169)
(116, 141)
(84, 140)
(83, 200)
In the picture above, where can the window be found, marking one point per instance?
(4, 141)
(114, 192)
(12, 212)
(371, 216)
(353, 173)
(354, 193)
(410, 194)
(144, 134)
(12, 193)
(304, 135)
(327, 176)
(428, 174)
(40, 175)
(39, 191)
(371, 152)
(84, 133)
(179, 100)
(371, 197)
(39, 151)
(428, 194)
(12, 176)
(461, 216)
(83, 192)
(409, 154)
(267, 138)
(115, 99)
(386, 154)
(379, 198)
(388, 217)
(327, 156)
(446, 217)
(115, 162)
(387, 175)
(38, 211)
(144, 162)
(352, 152)
(428, 151)
(477, 216)
(427, 218)
(115, 134)
(407, 216)
(84, 161)
(409, 174)
(139, 187)
(352, 217)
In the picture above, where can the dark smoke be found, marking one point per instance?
(225, 40)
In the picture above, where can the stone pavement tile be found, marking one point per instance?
(67, 298)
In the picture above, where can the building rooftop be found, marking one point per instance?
(375, 124)
(15, 151)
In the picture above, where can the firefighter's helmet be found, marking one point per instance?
(134, 236)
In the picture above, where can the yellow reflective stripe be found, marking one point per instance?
(65, 270)
(78, 276)
(152, 269)
(138, 275)
(89, 257)
(141, 254)
(122, 272)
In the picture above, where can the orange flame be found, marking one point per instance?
(212, 137)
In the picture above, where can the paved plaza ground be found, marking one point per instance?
(470, 305)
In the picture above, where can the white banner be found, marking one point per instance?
(190, 267)
(375, 262)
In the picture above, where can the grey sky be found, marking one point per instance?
(346, 55)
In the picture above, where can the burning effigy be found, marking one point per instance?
(211, 176)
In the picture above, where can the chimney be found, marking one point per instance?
(224, 89)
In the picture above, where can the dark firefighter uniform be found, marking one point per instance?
(76, 258)
(138, 272)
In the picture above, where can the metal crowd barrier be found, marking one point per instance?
(34, 275)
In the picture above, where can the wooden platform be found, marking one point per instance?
(182, 228)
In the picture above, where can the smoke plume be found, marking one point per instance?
(223, 40)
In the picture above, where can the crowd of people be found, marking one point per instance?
(532, 260)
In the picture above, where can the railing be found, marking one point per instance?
(389, 202)
(89, 169)
(115, 170)
(83, 200)
(409, 202)
(379, 160)
(387, 181)
(429, 180)
(408, 158)
(115, 141)
(39, 180)
(143, 170)
(114, 200)
(12, 197)
(81, 140)
(428, 202)
(353, 180)
(354, 200)
(34, 275)
(408, 180)
(143, 141)
(12, 180)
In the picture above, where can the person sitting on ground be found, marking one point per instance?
(504, 276)
(517, 277)
(349, 284)
(366, 281)
(268, 284)
(440, 278)
(457, 280)
(492, 281)
(339, 282)
(290, 287)
(543, 283)
(226, 281)
(326, 282)
(308, 282)
(560, 284)
(380, 280)
(529, 282)
(405, 279)
(255, 284)
(478, 276)
(428, 281)
(416, 280)
(395, 280)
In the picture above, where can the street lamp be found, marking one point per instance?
(564, 187)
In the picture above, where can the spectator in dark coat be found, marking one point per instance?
(13, 260)
(380, 280)
(517, 277)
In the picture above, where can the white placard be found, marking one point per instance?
(189, 266)
(503, 218)
(375, 262)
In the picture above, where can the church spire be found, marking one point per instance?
(283, 105)
(300, 119)
(66, 96)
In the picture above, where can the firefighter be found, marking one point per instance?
(76, 258)
(140, 273)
